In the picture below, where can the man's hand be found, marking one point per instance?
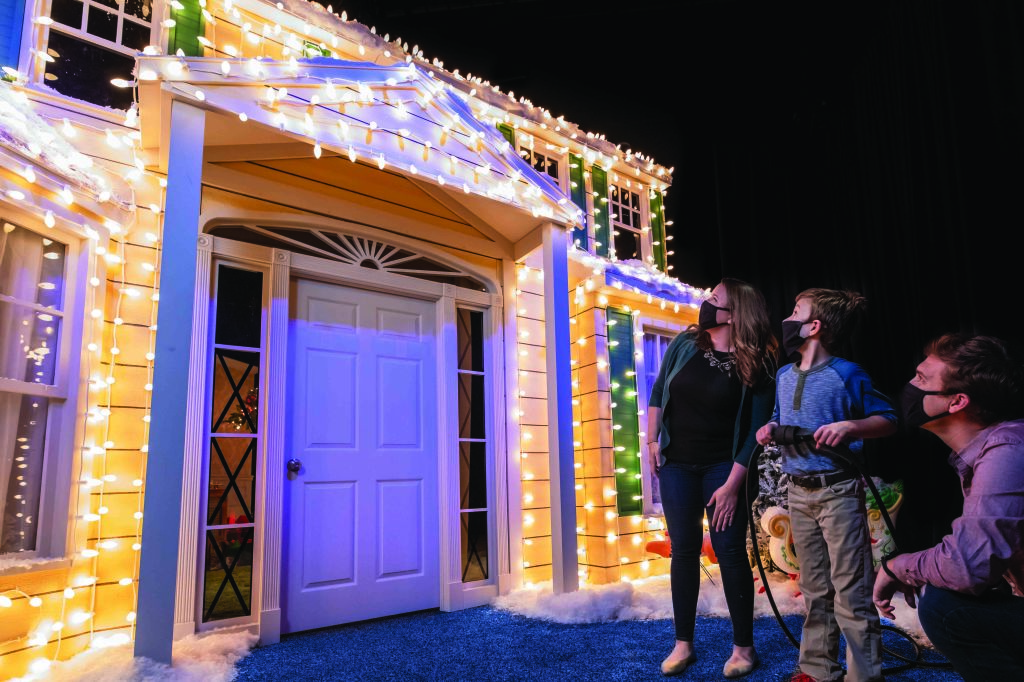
(885, 587)
(766, 434)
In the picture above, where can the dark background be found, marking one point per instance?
(869, 145)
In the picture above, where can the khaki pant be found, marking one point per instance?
(833, 546)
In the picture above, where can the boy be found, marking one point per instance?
(833, 398)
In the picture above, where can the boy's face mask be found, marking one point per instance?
(791, 338)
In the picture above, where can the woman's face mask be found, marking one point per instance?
(707, 318)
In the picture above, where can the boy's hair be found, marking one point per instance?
(838, 312)
(981, 367)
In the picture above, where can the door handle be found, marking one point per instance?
(294, 465)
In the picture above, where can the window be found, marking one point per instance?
(655, 345)
(542, 163)
(229, 513)
(627, 232)
(94, 41)
(473, 513)
(32, 298)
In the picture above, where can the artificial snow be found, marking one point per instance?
(651, 598)
(207, 657)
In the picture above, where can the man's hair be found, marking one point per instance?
(838, 310)
(983, 368)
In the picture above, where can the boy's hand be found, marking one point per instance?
(766, 434)
(832, 435)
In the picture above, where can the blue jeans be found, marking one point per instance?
(979, 634)
(685, 492)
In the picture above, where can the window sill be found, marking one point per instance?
(13, 566)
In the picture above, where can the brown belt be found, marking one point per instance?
(815, 481)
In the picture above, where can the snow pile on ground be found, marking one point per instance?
(651, 598)
(207, 657)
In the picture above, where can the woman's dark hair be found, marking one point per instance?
(756, 346)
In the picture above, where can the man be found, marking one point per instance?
(968, 391)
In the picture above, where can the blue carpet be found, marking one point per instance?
(484, 643)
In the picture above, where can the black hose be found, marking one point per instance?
(791, 435)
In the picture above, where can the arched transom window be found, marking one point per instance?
(351, 250)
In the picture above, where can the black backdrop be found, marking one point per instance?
(872, 145)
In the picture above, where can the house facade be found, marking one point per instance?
(301, 328)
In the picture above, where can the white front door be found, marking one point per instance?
(361, 513)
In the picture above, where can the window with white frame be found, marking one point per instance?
(33, 288)
(628, 235)
(542, 162)
(92, 42)
(656, 342)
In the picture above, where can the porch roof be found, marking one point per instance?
(396, 117)
(44, 173)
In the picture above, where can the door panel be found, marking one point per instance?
(361, 515)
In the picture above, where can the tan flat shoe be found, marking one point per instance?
(676, 667)
(740, 669)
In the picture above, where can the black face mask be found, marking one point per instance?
(707, 318)
(912, 406)
(791, 339)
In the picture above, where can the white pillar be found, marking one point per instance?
(564, 566)
(167, 434)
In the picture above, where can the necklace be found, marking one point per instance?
(723, 365)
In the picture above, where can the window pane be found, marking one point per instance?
(239, 307)
(83, 71)
(67, 12)
(22, 447)
(470, 340)
(102, 24)
(31, 267)
(135, 36)
(627, 244)
(28, 344)
(474, 546)
(143, 9)
(471, 406)
(231, 496)
(472, 475)
(236, 391)
(227, 579)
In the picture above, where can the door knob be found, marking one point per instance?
(294, 465)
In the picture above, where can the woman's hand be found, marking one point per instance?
(654, 452)
(723, 505)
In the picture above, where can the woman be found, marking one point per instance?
(714, 389)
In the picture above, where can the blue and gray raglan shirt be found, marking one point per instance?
(833, 391)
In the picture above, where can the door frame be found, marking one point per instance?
(285, 266)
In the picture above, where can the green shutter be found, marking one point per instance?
(578, 194)
(509, 133)
(658, 231)
(188, 26)
(602, 230)
(625, 420)
(12, 14)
